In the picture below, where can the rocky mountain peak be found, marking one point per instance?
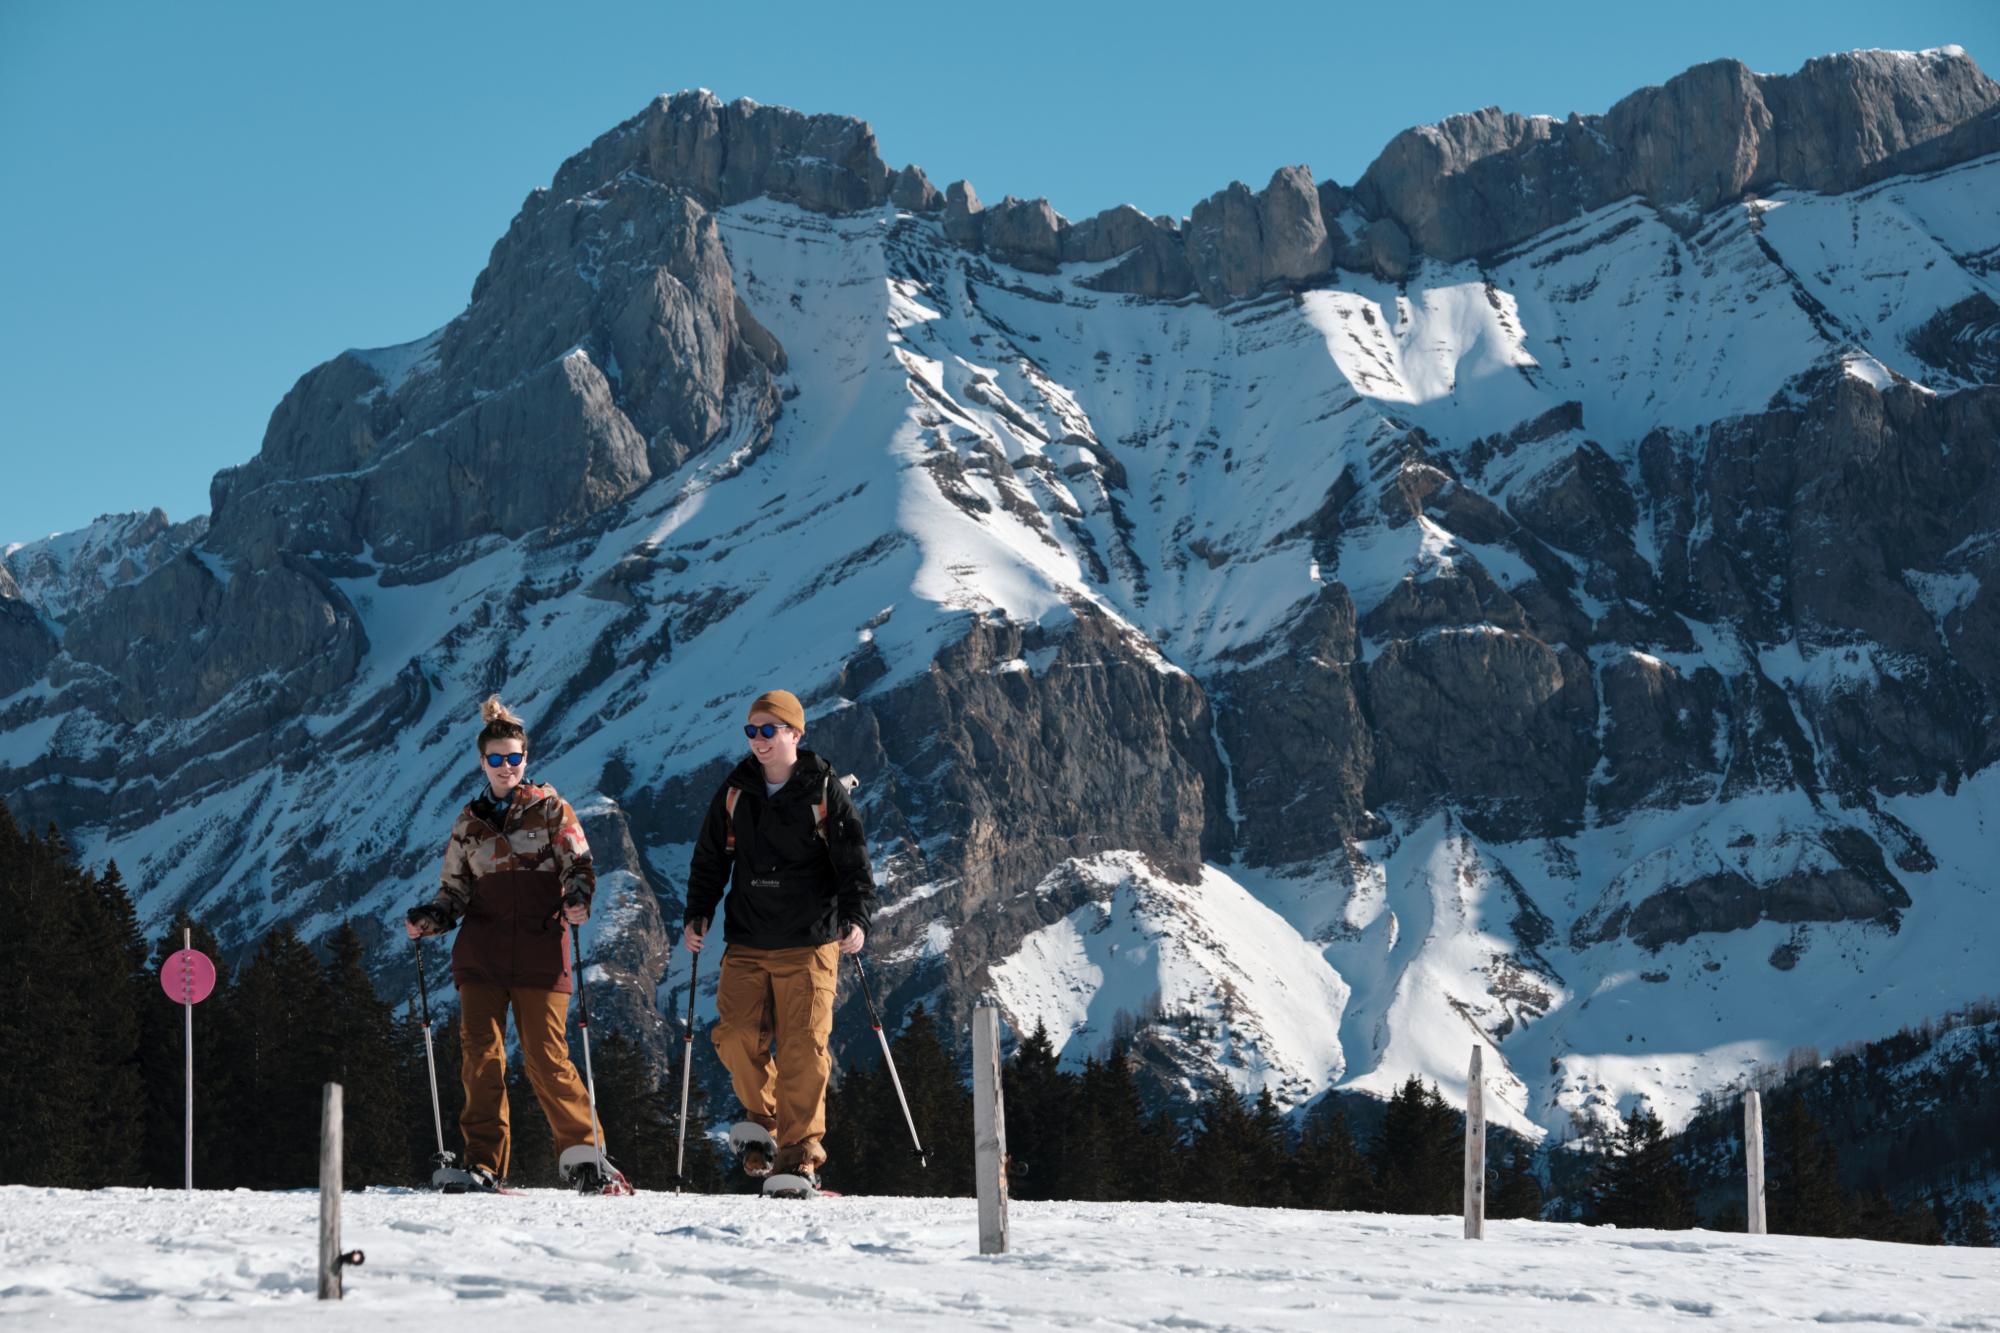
(1476, 183)
(725, 153)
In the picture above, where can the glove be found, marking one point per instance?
(573, 899)
(428, 920)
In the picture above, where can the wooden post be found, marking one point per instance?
(1475, 1152)
(989, 1131)
(1753, 1159)
(329, 1193)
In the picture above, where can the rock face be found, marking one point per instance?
(1467, 646)
(188, 637)
(1239, 242)
(1477, 183)
(60, 574)
(26, 645)
(726, 154)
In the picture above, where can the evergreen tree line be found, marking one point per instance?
(1088, 1134)
(95, 1050)
(1894, 1139)
(1639, 1176)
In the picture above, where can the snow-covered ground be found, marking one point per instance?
(133, 1258)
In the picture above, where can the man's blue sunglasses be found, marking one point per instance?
(767, 730)
(511, 760)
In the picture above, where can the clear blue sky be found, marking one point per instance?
(199, 202)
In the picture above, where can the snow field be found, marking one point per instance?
(120, 1259)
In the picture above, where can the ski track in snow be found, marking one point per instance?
(121, 1259)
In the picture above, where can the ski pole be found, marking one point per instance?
(443, 1158)
(583, 1021)
(875, 1017)
(687, 1064)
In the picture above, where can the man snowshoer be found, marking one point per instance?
(517, 872)
(783, 837)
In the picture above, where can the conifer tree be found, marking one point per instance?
(283, 1007)
(367, 1064)
(1516, 1191)
(1974, 1225)
(1222, 1150)
(45, 1138)
(1038, 1097)
(110, 967)
(1157, 1171)
(1805, 1197)
(636, 1119)
(1418, 1155)
(1331, 1172)
(1116, 1154)
(1639, 1182)
(941, 1105)
(853, 1113)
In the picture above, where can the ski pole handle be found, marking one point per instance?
(576, 974)
(423, 986)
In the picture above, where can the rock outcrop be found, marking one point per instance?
(1477, 183)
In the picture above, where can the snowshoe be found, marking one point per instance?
(447, 1177)
(802, 1182)
(587, 1171)
(754, 1148)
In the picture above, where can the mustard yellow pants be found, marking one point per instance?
(781, 996)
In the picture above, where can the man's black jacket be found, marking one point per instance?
(788, 888)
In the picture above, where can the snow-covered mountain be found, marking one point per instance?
(1299, 637)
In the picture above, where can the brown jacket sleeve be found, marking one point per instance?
(455, 879)
(572, 853)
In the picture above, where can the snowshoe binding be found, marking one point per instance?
(588, 1171)
(447, 1177)
(754, 1149)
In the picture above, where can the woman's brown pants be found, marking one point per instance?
(541, 1017)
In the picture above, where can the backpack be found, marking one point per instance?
(733, 794)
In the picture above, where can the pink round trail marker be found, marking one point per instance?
(187, 976)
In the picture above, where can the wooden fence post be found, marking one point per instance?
(1753, 1159)
(989, 1131)
(329, 1193)
(1475, 1152)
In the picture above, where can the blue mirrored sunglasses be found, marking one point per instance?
(511, 760)
(767, 730)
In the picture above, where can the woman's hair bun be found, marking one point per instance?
(494, 711)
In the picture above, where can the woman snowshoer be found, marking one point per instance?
(783, 838)
(517, 873)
